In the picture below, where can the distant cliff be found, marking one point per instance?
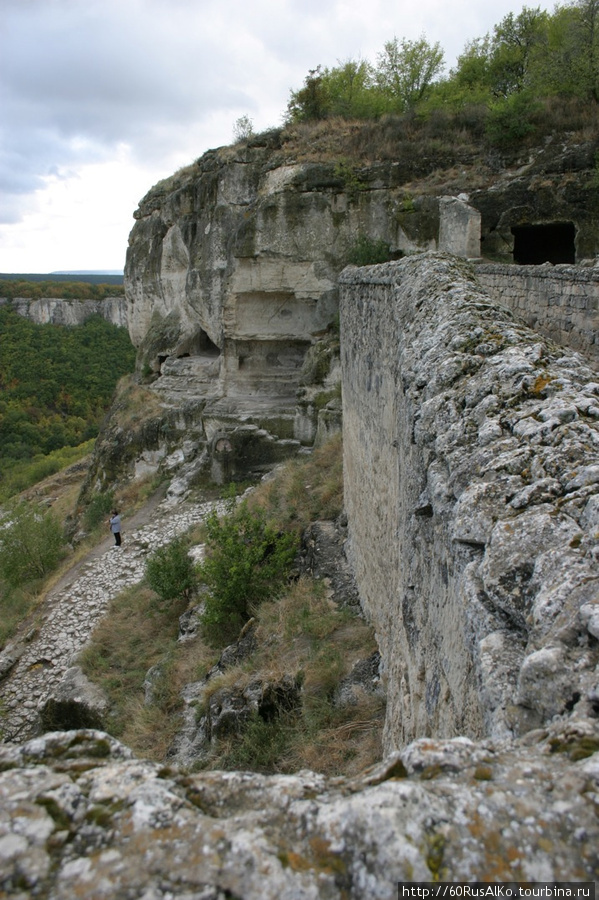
(55, 311)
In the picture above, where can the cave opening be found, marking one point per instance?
(199, 344)
(206, 345)
(552, 243)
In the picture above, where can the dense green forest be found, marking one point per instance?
(55, 384)
(67, 290)
(501, 81)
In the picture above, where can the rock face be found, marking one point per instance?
(79, 817)
(230, 280)
(54, 311)
(231, 272)
(471, 457)
(233, 262)
(76, 703)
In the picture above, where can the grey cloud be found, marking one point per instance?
(75, 84)
(80, 77)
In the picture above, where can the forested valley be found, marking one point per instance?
(56, 384)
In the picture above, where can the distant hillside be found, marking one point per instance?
(12, 286)
(55, 385)
(88, 277)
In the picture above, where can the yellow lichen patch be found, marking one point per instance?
(295, 861)
(500, 859)
(512, 854)
(321, 859)
(434, 855)
(325, 859)
(541, 382)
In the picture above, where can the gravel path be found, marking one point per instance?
(73, 607)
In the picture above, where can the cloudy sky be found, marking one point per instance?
(99, 99)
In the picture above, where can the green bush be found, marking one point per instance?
(247, 561)
(98, 509)
(31, 544)
(369, 252)
(510, 120)
(170, 571)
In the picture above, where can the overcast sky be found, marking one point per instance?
(99, 99)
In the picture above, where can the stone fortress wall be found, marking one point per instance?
(471, 459)
(560, 302)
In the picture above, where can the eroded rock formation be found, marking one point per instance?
(56, 311)
(471, 455)
(231, 273)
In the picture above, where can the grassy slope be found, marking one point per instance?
(303, 633)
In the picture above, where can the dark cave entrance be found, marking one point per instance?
(198, 345)
(536, 244)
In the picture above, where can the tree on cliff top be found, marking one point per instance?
(355, 88)
(520, 75)
(406, 70)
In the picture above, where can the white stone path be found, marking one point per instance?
(69, 614)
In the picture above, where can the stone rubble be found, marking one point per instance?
(33, 670)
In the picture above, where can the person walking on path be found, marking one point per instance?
(115, 527)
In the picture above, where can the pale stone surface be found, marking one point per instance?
(55, 311)
(79, 816)
(459, 227)
(471, 456)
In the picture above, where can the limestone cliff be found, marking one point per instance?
(232, 266)
(57, 311)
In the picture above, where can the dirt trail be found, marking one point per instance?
(141, 517)
(49, 642)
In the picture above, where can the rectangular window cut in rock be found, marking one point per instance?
(537, 244)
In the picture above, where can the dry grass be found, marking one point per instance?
(137, 633)
(442, 152)
(306, 635)
(134, 494)
(302, 634)
(304, 490)
(134, 404)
